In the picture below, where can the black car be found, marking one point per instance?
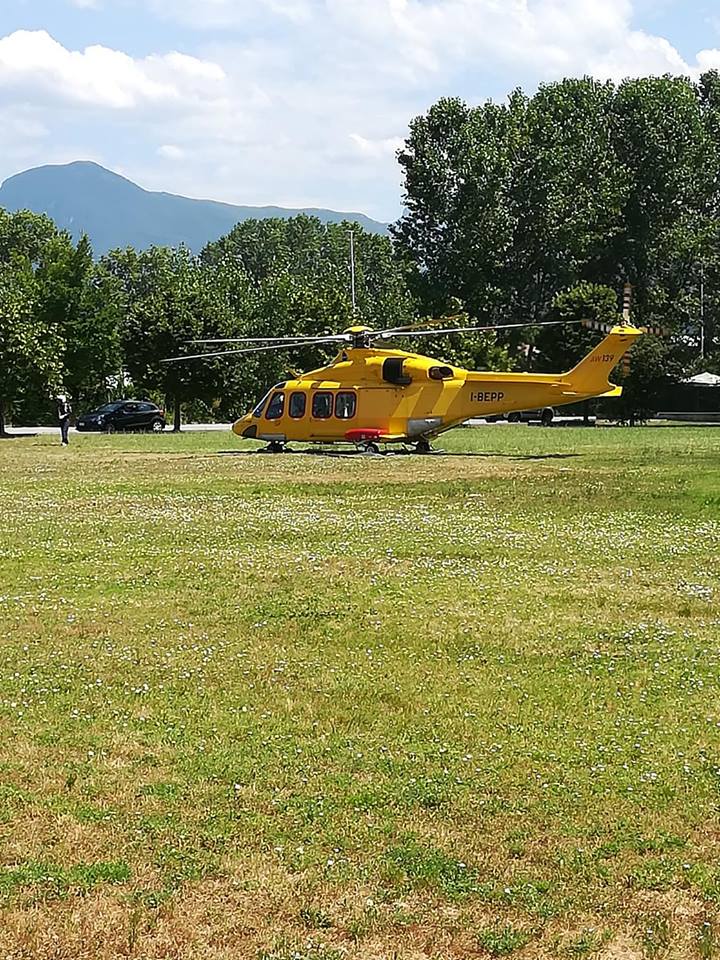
(124, 415)
(544, 415)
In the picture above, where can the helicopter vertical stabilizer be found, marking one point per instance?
(590, 376)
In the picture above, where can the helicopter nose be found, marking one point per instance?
(243, 424)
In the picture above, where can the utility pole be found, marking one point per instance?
(352, 269)
(702, 310)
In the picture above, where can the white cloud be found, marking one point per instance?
(383, 147)
(171, 152)
(234, 13)
(549, 38)
(708, 60)
(309, 100)
(339, 89)
(40, 67)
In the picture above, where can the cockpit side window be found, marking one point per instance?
(257, 412)
(275, 407)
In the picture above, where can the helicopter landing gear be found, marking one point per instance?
(369, 449)
(275, 446)
(423, 446)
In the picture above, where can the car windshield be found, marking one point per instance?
(108, 407)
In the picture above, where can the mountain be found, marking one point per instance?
(83, 197)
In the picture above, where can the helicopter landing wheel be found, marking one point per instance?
(275, 446)
(423, 446)
(369, 449)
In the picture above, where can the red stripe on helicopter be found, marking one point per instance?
(361, 435)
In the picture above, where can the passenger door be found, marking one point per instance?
(321, 415)
(146, 414)
(129, 416)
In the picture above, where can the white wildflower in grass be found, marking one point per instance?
(398, 694)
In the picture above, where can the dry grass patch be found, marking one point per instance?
(305, 707)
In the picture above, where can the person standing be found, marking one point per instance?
(64, 410)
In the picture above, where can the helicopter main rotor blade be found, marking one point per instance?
(329, 336)
(228, 353)
(419, 325)
(387, 334)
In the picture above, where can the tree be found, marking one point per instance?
(307, 265)
(508, 205)
(170, 301)
(459, 223)
(583, 309)
(569, 190)
(86, 304)
(30, 351)
(93, 354)
(660, 140)
(292, 277)
(26, 235)
(653, 368)
(31, 335)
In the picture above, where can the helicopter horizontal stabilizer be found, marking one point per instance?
(613, 392)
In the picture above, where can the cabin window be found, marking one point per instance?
(276, 407)
(440, 373)
(322, 406)
(345, 403)
(297, 405)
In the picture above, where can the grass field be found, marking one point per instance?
(403, 707)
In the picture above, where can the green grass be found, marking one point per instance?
(501, 942)
(307, 706)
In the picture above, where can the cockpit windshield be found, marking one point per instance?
(257, 412)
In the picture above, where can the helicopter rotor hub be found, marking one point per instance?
(361, 341)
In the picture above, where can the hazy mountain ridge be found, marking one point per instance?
(83, 197)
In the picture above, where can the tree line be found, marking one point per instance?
(534, 209)
(99, 329)
(542, 207)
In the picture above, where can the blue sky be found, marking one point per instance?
(299, 102)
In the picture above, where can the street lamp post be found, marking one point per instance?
(352, 269)
(702, 310)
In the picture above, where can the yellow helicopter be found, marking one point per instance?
(370, 395)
